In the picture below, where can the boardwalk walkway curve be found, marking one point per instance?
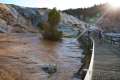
(106, 62)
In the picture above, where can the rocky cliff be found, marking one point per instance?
(69, 19)
(11, 20)
(23, 19)
(20, 19)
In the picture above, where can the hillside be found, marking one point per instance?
(86, 14)
(19, 19)
(110, 21)
(23, 19)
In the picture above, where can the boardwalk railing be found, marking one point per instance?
(90, 69)
(113, 39)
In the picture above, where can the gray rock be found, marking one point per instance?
(50, 68)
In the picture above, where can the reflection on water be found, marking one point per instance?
(30, 52)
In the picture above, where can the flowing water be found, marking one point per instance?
(22, 57)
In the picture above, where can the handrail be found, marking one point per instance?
(81, 34)
(90, 69)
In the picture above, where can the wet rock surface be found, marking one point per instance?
(50, 68)
(23, 57)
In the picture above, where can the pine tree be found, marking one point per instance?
(50, 31)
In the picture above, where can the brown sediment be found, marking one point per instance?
(23, 55)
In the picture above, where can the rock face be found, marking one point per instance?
(69, 19)
(110, 21)
(23, 19)
(27, 18)
(70, 25)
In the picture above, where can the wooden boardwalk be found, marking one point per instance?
(106, 62)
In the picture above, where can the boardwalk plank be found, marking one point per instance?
(107, 62)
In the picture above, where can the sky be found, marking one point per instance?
(59, 4)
